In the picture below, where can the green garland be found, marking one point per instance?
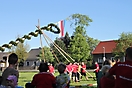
(50, 28)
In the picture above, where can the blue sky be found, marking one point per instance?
(19, 17)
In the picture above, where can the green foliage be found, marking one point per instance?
(79, 20)
(123, 43)
(79, 47)
(22, 51)
(66, 40)
(48, 56)
(92, 44)
(61, 44)
(89, 64)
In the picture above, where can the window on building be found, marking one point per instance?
(100, 60)
(27, 63)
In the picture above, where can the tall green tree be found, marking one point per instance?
(123, 42)
(66, 40)
(79, 20)
(48, 56)
(22, 51)
(92, 44)
(61, 44)
(79, 47)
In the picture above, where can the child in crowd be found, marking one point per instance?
(63, 79)
(106, 82)
(12, 81)
(43, 79)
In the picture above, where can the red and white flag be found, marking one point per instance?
(61, 25)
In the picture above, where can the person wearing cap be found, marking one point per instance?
(104, 81)
(122, 71)
(12, 81)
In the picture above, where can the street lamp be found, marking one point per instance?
(104, 53)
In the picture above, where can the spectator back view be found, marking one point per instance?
(63, 79)
(43, 79)
(10, 70)
(123, 71)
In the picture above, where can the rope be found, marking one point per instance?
(42, 48)
(44, 35)
(52, 50)
(58, 47)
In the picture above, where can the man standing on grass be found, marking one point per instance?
(69, 70)
(83, 71)
(51, 69)
(122, 71)
(75, 68)
(96, 70)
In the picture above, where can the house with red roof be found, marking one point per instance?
(104, 51)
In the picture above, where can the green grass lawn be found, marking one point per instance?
(27, 77)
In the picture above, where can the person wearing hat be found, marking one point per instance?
(12, 81)
(104, 81)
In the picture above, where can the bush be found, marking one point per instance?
(89, 64)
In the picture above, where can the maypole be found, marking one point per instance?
(50, 27)
(42, 49)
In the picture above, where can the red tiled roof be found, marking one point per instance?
(107, 45)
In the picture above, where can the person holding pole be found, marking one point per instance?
(83, 71)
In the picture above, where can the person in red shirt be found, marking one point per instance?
(104, 81)
(43, 79)
(51, 69)
(96, 70)
(69, 69)
(75, 69)
(83, 71)
(122, 71)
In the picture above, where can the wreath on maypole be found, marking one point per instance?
(50, 27)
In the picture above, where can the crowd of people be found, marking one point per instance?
(116, 74)
(113, 74)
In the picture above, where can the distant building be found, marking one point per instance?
(104, 51)
(33, 59)
(3, 60)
